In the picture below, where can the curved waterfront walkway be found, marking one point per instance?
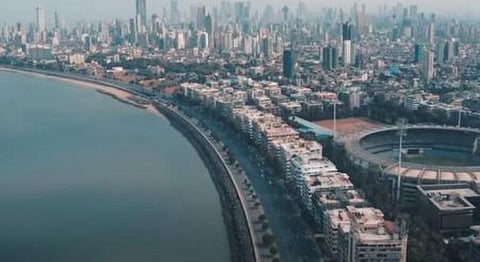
(254, 241)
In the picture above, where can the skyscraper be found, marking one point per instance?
(330, 58)
(417, 54)
(174, 13)
(431, 33)
(285, 11)
(201, 14)
(40, 19)
(347, 43)
(238, 10)
(142, 11)
(288, 64)
(427, 65)
(57, 21)
(203, 42)
(347, 31)
(210, 28)
(133, 31)
(138, 24)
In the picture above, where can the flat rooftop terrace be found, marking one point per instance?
(450, 198)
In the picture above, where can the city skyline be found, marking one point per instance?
(82, 11)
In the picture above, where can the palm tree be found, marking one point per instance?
(267, 239)
(265, 226)
(273, 250)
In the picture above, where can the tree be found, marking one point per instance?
(262, 217)
(273, 250)
(267, 239)
(265, 226)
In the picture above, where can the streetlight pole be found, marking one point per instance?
(335, 118)
(459, 118)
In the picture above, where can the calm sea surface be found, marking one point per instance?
(86, 178)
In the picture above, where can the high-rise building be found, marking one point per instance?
(141, 6)
(138, 25)
(19, 27)
(347, 52)
(330, 58)
(40, 15)
(427, 65)
(285, 11)
(346, 31)
(133, 31)
(155, 24)
(431, 33)
(200, 19)
(203, 41)
(413, 12)
(57, 21)
(449, 50)
(354, 98)
(347, 43)
(288, 64)
(440, 48)
(242, 11)
(417, 53)
(210, 29)
(174, 13)
(180, 41)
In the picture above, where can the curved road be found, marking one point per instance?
(240, 195)
(295, 240)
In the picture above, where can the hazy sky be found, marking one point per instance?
(74, 10)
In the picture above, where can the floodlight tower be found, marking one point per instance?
(402, 132)
(335, 116)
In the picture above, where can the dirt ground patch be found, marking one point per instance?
(348, 126)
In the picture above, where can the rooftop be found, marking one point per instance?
(313, 163)
(337, 218)
(449, 197)
(317, 183)
(369, 225)
(299, 147)
(335, 198)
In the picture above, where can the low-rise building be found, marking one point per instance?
(449, 207)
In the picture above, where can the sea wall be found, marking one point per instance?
(239, 232)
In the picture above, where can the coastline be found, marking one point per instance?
(243, 240)
(117, 94)
(240, 228)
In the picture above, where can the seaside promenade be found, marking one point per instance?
(249, 210)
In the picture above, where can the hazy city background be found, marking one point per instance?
(21, 10)
(312, 130)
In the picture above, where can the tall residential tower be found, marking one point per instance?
(40, 19)
(142, 11)
(347, 44)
